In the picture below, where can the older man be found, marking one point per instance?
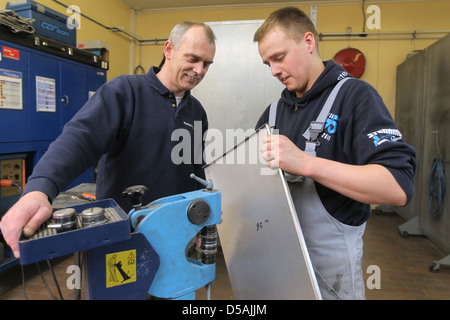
(126, 127)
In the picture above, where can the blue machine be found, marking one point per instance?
(41, 92)
(150, 261)
(43, 83)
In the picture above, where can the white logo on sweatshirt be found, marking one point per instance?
(384, 135)
(342, 75)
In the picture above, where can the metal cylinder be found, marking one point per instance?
(93, 216)
(209, 244)
(65, 219)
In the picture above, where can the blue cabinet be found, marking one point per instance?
(43, 83)
(39, 93)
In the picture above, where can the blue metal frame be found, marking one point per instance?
(166, 226)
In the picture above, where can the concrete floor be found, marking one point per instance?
(404, 266)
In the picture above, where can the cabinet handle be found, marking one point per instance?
(65, 100)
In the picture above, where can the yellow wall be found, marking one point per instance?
(382, 56)
(109, 13)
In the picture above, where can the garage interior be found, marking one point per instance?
(399, 47)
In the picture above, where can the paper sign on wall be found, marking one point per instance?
(45, 94)
(11, 90)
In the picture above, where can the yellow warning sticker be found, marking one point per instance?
(120, 268)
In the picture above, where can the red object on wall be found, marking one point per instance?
(352, 60)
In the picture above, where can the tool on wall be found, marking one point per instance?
(352, 60)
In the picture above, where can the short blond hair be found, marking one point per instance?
(292, 20)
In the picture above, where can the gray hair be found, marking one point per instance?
(176, 36)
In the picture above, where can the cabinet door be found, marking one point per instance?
(78, 84)
(409, 118)
(73, 87)
(436, 131)
(14, 94)
(44, 97)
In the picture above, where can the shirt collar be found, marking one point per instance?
(157, 84)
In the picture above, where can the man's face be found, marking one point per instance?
(190, 62)
(288, 60)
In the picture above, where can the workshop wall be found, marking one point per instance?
(111, 13)
(382, 56)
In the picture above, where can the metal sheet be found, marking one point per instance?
(261, 238)
(238, 86)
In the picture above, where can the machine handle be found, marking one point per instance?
(135, 193)
(208, 184)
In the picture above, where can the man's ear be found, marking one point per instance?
(310, 41)
(168, 50)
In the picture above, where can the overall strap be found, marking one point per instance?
(326, 107)
(316, 127)
(273, 113)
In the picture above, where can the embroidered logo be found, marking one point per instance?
(331, 124)
(385, 135)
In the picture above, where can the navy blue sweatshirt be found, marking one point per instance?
(359, 130)
(126, 127)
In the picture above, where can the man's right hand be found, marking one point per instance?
(29, 213)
